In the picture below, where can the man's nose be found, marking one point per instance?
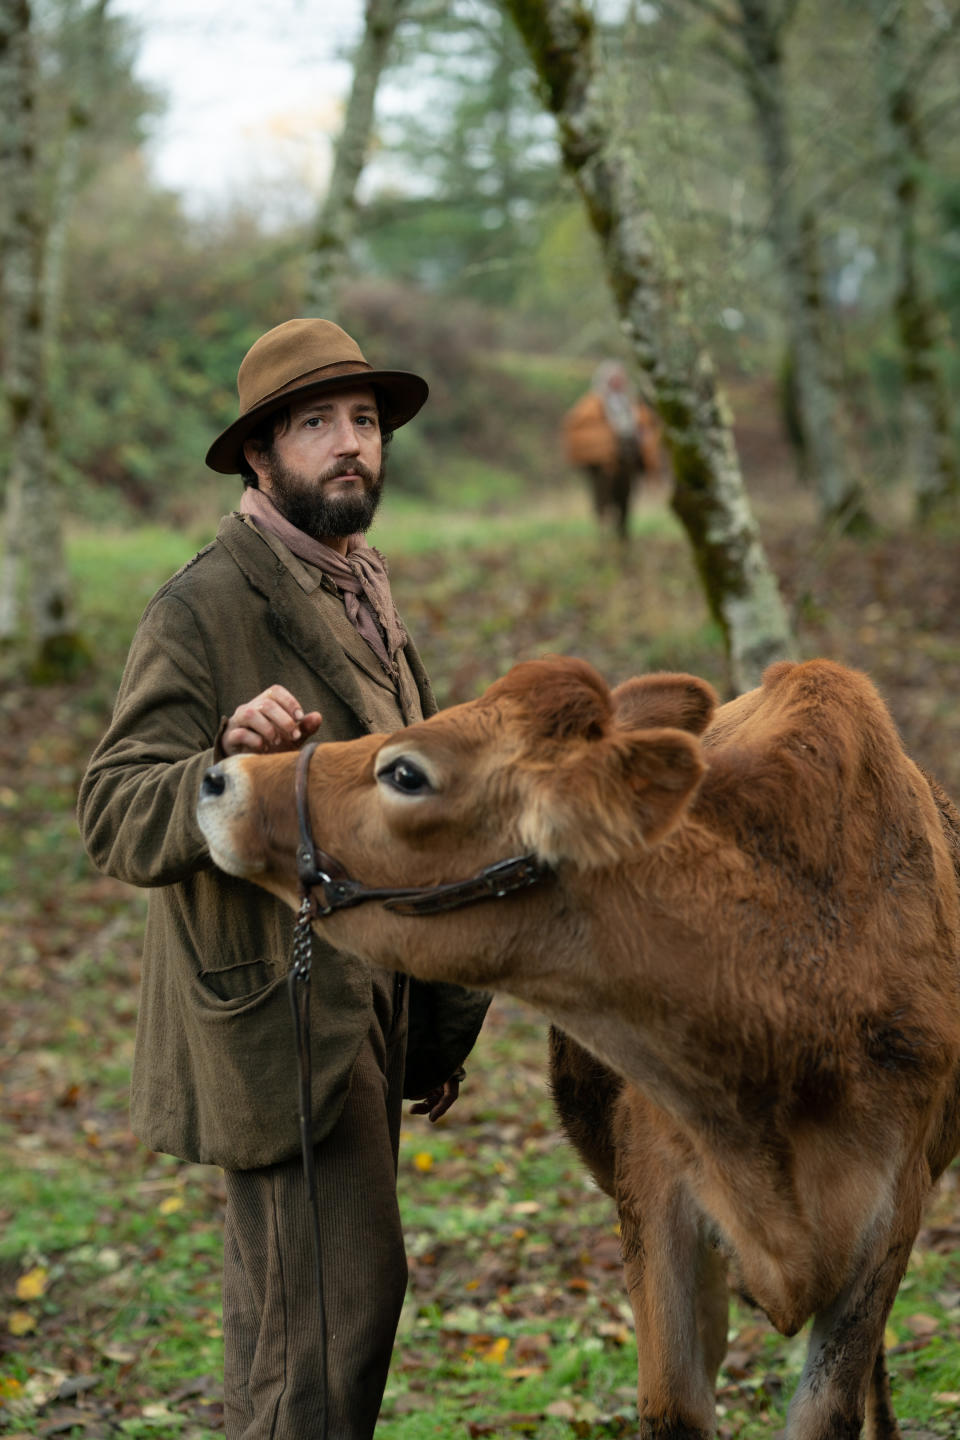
(346, 436)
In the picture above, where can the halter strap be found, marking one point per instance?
(329, 887)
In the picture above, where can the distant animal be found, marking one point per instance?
(615, 440)
(744, 924)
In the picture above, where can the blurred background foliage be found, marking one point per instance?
(473, 261)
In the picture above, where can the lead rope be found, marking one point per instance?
(298, 986)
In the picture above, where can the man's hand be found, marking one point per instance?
(273, 721)
(437, 1102)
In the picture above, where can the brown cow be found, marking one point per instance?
(748, 936)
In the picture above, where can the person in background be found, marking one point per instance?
(615, 439)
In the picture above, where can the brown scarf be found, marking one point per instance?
(361, 574)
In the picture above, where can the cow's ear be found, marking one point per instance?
(599, 804)
(559, 698)
(681, 701)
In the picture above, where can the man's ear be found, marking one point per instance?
(683, 702)
(254, 458)
(604, 801)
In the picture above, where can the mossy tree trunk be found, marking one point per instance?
(758, 28)
(334, 225)
(709, 495)
(930, 450)
(33, 562)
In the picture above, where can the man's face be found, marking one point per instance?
(325, 471)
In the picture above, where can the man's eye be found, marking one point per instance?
(406, 776)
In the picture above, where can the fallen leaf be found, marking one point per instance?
(64, 1420)
(171, 1205)
(532, 1347)
(31, 1285)
(922, 1324)
(616, 1331)
(423, 1161)
(21, 1322)
(561, 1410)
(76, 1385)
(119, 1354)
(497, 1352)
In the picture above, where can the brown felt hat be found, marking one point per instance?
(302, 356)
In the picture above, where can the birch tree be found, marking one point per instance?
(83, 37)
(709, 495)
(751, 36)
(33, 562)
(335, 222)
(931, 459)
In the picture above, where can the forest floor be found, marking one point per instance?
(516, 1320)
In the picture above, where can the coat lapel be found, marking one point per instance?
(293, 615)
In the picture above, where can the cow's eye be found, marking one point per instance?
(406, 776)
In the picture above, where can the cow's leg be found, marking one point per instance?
(676, 1281)
(881, 1421)
(844, 1380)
(585, 1093)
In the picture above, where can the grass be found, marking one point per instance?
(516, 1320)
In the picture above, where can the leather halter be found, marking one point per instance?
(328, 886)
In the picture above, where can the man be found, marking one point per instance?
(283, 628)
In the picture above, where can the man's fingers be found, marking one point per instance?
(284, 725)
(282, 697)
(237, 740)
(436, 1103)
(273, 720)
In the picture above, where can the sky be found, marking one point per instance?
(253, 93)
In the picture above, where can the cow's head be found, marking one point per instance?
(547, 761)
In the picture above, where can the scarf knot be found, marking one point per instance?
(361, 575)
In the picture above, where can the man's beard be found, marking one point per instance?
(322, 516)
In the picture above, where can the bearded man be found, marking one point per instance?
(291, 607)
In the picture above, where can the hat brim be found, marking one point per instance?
(403, 395)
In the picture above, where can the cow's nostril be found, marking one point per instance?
(214, 782)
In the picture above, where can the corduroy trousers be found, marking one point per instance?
(270, 1315)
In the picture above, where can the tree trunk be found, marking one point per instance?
(709, 495)
(931, 459)
(87, 75)
(34, 562)
(334, 226)
(795, 241)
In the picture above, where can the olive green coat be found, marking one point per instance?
(214, 1076)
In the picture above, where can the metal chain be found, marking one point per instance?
(299, 991)
(303, 940)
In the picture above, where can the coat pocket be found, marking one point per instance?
(240, 982)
